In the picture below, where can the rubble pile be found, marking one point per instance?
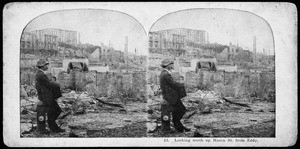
(84, 114)
(207, 111)
(27, 90)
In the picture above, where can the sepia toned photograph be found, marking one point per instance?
(157, 74)
(83, 74)
(211, 73)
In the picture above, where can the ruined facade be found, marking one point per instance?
(47, 39)
(177, 38)
(66, 36)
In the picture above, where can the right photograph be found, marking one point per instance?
(211, 73)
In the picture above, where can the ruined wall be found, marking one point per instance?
(153, 77)
(27, 77)
(193, 81)
(233, 84)
(176, 76)
(65, 80)
(133, 84)
(27, 63)
(139, 83)
(106, 84)
(267, 86)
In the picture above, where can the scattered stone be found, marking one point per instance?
(201, 106)
(249, 109)
(80, 111)
(24, 112)
(144, 110)
(152, 127)
(68, 100)
(71, 94)
(122, 110)
(187, 121)
(127, 120)
(220, 101)
(30, 90)
(206, 110)
(272, 110)
(25, 121)
(150, 111)
(76, 127)
(73, 135)
(190, 114)
(93, 132)
(62, 116)
(216, 110)
(66, 91)
(135, 110)
(207, 133)
(23, 92)
(268, 120)
(26, 128)
(202, 126)
(90, 110)
(261, 110)
(85, 103)
(92, 102)
(197, 134)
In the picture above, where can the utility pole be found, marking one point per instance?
(254, 48)
(126, 50)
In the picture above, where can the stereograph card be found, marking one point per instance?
(149, 74)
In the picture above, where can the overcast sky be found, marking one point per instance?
(96, 26)
(223, 26)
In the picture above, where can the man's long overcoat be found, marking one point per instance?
(170, 88)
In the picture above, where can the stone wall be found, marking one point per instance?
(27, 77)
(106, 84)
(267, 86)
(139, 83)
(233, 84)
(65, 80)
(133, 84)
(27, 63)
(193, 81)
(153, 77)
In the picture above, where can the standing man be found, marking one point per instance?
(172, 92)
(47, 95)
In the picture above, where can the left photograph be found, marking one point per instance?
(83, 74)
